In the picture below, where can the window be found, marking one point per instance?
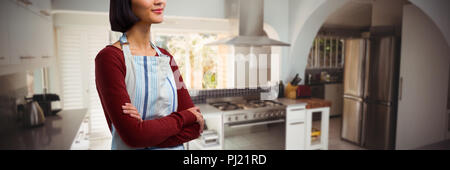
(77, 48)
(202, 66)
(326, 52)
(215, 67)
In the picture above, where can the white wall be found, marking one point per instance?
(11, 82)
(438, 11)
(81, 5)
(306, 17)
(354, 14)
(425, 58)
(388, 13)
(276, 14)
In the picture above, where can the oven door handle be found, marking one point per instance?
(255, 123)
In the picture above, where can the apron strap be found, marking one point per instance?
(157, 49)
(126, 46)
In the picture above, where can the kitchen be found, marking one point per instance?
(240, 101)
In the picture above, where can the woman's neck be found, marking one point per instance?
(139, 36)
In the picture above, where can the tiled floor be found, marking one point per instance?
(334, 137)
(275, 141)
(259, 140)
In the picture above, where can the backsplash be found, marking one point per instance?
(336, 75)
(13, 89)
(200, 96)
(9, 118)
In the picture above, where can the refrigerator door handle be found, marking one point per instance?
(354, 98)
(400, 89)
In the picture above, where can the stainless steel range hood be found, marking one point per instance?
(251, 24)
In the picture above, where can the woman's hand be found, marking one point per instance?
(133, 112)
(198, 115)
(129, 109)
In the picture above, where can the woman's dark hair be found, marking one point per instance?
(121, 17)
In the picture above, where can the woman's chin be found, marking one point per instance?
(157, 20)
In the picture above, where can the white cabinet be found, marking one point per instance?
(45, 28)
(300, 124)
(214, 121)
(322, 141)
(295, 127)
(18, 31)
(4, 44)
(22, 30)
(334, 93)
(46, 37)
(30, 32)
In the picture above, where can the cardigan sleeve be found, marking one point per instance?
(190, 132)
(109, 76)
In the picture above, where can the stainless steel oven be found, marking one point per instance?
(253, 124)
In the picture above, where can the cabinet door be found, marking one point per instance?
(33, 39)
(20, 28)
(43, 32)
(44, 35)
(295, 135)
(48, 40)
(295, 128)
(4, 18)
(15, 29)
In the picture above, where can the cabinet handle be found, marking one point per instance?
(296, 123)
(45, 57)
(26, 2)
(400, 88)
(43, 12)
(27, 57)
(293, 110)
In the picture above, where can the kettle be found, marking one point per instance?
(33, 115)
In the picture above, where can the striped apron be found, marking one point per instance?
(151, 86)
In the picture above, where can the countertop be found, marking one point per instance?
(207, 109)
(57, 133)
(323, 83)
(310, 103)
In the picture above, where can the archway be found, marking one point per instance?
(310, 17)
(310, 21)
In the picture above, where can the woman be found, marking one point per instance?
(140, 88)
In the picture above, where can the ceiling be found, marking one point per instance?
(354, 14)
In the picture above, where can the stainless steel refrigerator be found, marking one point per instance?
(370, 95)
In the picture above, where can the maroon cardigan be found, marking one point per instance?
(172, 130)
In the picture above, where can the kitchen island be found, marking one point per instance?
(57, 133)
(302, 130)
(297, 120)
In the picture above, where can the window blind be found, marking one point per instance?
(77, 49)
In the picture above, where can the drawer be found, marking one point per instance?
(297, 114)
